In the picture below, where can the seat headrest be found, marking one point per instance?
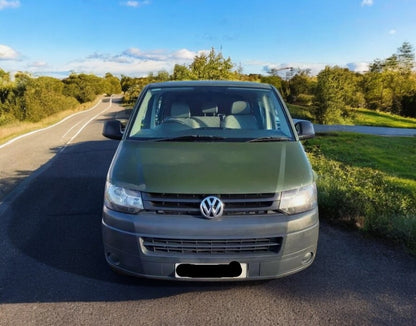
(180, 110)
(240, 107)
(209, 108)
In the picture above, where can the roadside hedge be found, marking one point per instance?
(365, 198)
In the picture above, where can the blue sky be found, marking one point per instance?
(55, 37)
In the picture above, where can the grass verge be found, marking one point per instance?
(365, 117)
(359, 117)
(367, 182)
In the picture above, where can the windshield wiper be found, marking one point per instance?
(269, 138)
(191, 138)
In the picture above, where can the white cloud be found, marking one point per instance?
(137, 63)
(38, 64)
(136, 53)
(100, 67)
(136, 4)
(358, 66)
(133, 52)
(7, 53)
(368, 3)
(4, 4)
(132, 62)
(392, 31)
(184, 55)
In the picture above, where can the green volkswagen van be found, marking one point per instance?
(210, 182)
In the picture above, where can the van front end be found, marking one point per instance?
(186, 247)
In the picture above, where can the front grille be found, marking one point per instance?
(189, 204)
(165, 246)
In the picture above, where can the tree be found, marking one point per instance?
(334, 94)
(43, 97)
(276, 81)
(126, 82)
(17, 103)
(111, 84)
(5, 86)
(409, 105)
(6, 98)
(161, 76)
(301, 88)
(406, 57)
(84, 87)
(211, 67)
(389, 81)
(181, 72)
(377, 97)
(132, 88)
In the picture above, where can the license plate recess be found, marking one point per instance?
(232, 270)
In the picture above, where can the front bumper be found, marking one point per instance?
(124, 236)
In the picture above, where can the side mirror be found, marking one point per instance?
(113, 129)
(305, 129)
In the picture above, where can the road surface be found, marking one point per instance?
(21, 156)
(53, 271)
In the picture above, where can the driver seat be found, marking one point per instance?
(241, 117)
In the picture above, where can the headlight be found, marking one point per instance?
(122, 199)
(299, 200)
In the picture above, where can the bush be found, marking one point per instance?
(41, 104)
(365, 198)
(335, 92)
(85, 87)
(304, 99)
(43, 98)
(6, 118)
(409, 105)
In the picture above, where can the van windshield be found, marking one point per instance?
(208, 113)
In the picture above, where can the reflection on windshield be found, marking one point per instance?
(210, 113)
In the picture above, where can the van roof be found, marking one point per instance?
(207, 83)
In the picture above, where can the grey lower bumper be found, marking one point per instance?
(123, 243)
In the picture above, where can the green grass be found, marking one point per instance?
(359, 117)
(368, 182)
(366, 117)
(395, 156)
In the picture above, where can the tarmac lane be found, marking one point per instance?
(25, 154)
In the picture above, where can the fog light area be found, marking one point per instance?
(307, 259)
(113, 259)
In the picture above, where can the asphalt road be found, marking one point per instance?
(21, 156)
(53, 271)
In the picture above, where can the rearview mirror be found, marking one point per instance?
(305, 129)
(113, 129)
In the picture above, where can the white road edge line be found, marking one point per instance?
(84, 125)
(70, 129)
(49, 127)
